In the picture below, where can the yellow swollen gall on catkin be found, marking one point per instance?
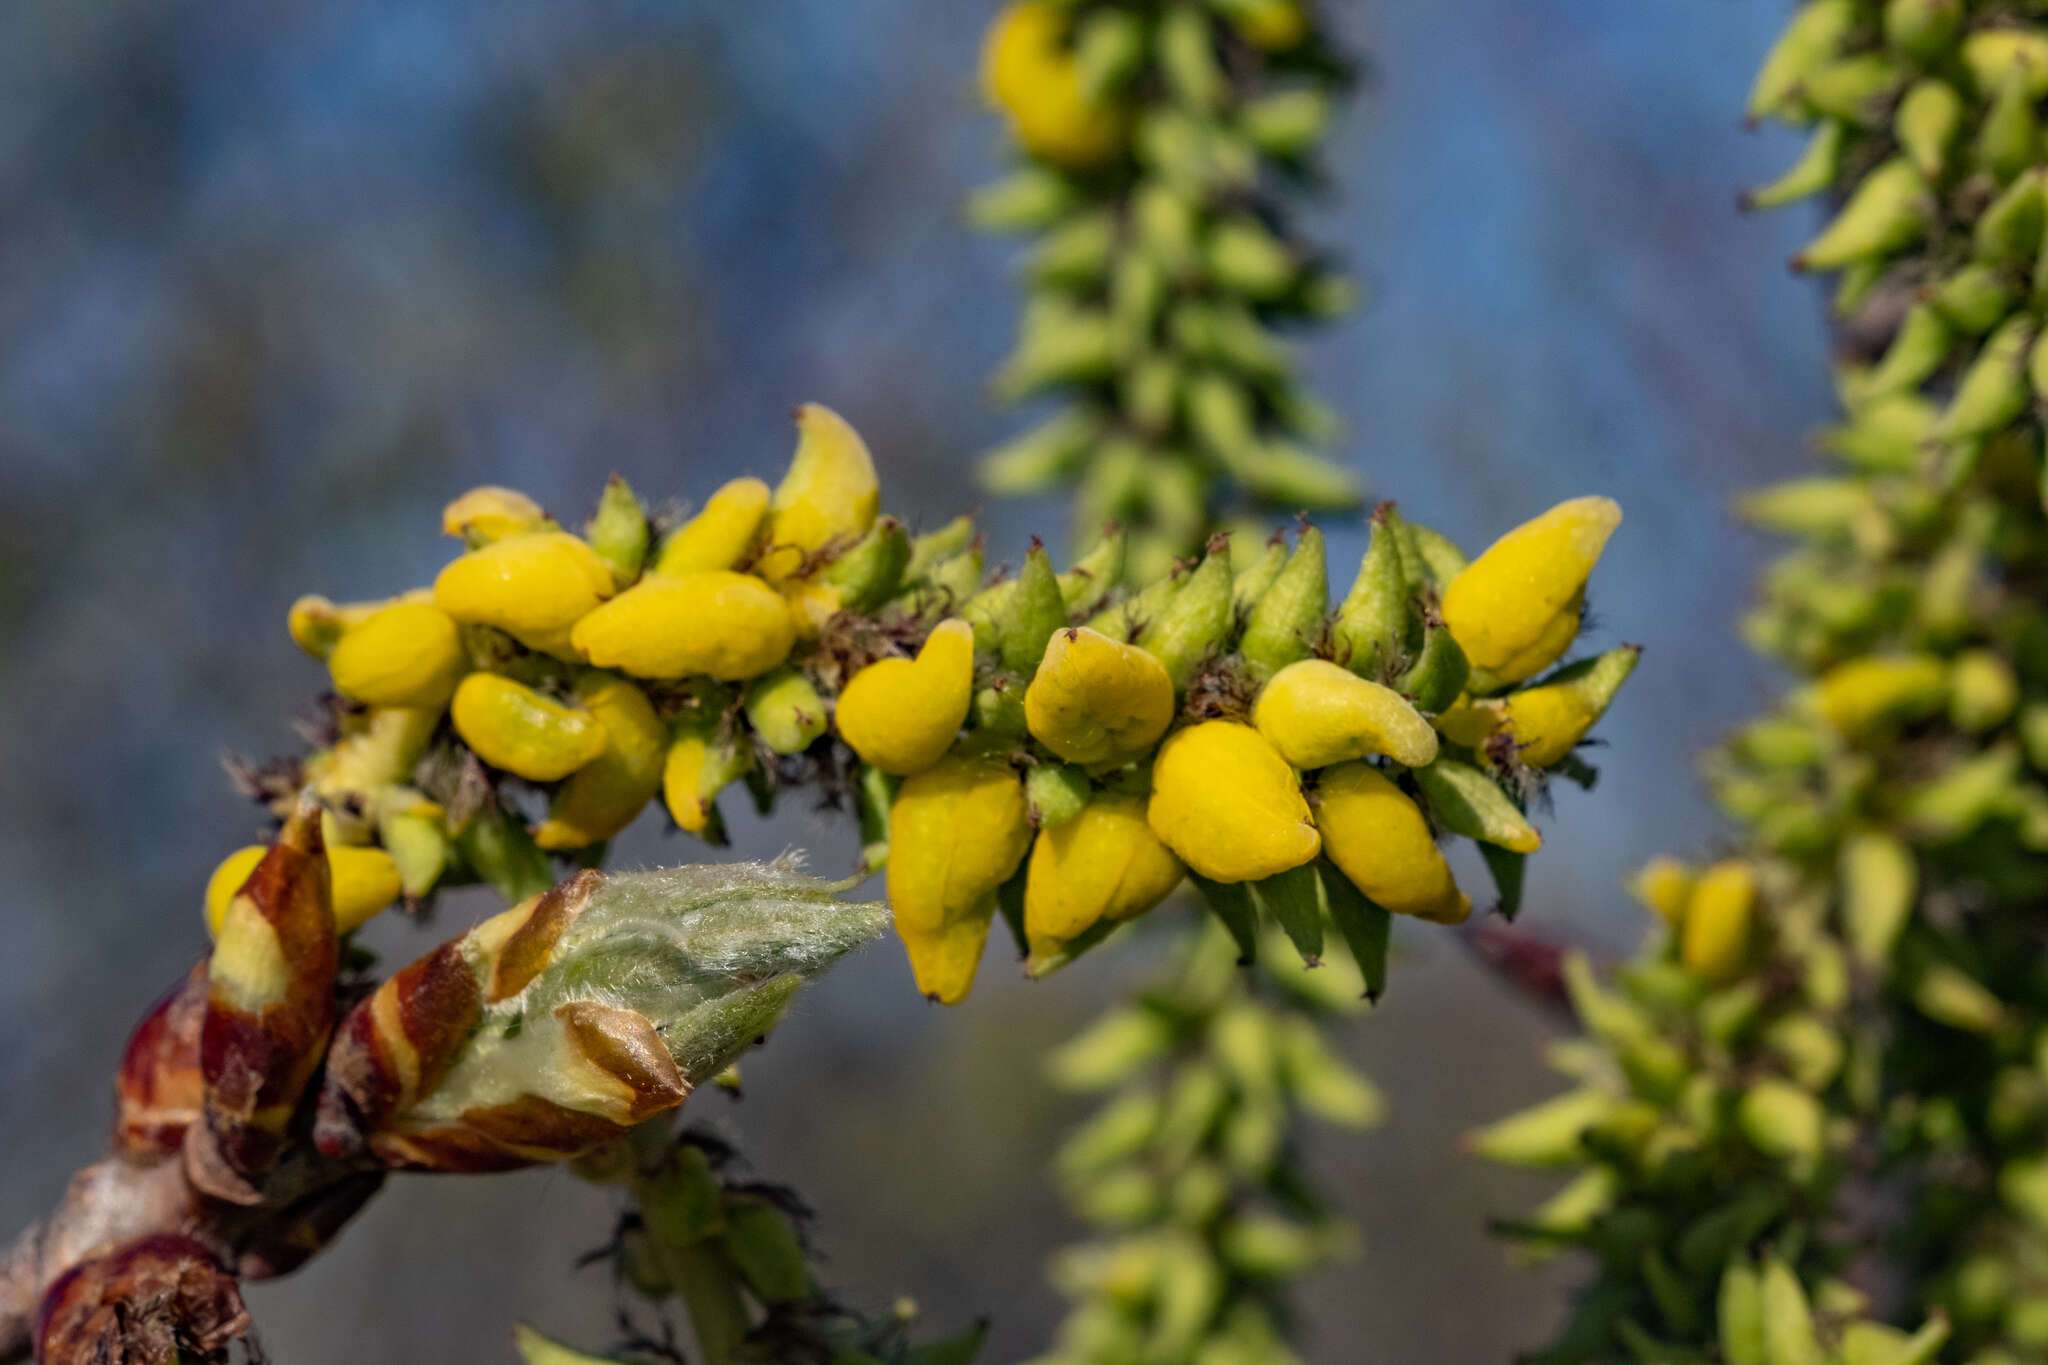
(1547, 722)
(1714, 934)
(956, 833)
(1028, 72)
(682, 775)
(721, 535)
(1317, 714)
(1861, 695)
(1380, 841)
(491, 513)
(525, 732)
(901, 715)
(1096, 701)
(365, 881)
(603, 796)
(1226, 802)
(729, 626)
(828, 498)
(1664, 885)
(1105, 864)
(1519, 600)
(534, 587)
(1271, 25)
(408, 654)
(1468, 722)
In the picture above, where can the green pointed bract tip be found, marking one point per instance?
(933, 548)
(1371, 628)
(1038, 609)
(1287, 618)
(1087, 585)
(1889, 210)
(1255, 564)
(1440, 671)
(619, 531)
(1466, 801)
(870, 573)
(1194, 623)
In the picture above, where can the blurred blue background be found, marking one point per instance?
(277, 279)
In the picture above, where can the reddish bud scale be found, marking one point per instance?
(270, 1007)
(159, 1092)
(395, 1048)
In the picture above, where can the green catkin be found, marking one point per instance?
(1856, 983)
(1154, 290)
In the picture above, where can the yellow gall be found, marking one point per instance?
(901, 715)
(409, 654)
(1378, 838)
(681, 775)
(1519, 600)
(526, 733)
(1863, 695)
(956, 832)
(1104, 864)
(533, 587)
(1663, 886)
(721, 535)
(604, 795)
(1226, 802)
(1028, 71)
(1714, 934)
(1317, 713)
(1096, 701)
(725, 625)
(826, 500)
(491, 513)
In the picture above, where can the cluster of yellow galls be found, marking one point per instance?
(614, 671)
(726, 597)
(1223, 797)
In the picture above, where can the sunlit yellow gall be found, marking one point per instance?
(721, 535)
(1105, 864)
(956, 833)
(602, 797)
(1379, 839)
(1029, 72)
(1518, 600)
(828, 499)
(1096, 701)
(725, 625)
(1226, 802)
(1317, 713)
(901, 715)
(511, 726)
(534, 587)
(491, 513)
(409, 654)
(682, 775)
